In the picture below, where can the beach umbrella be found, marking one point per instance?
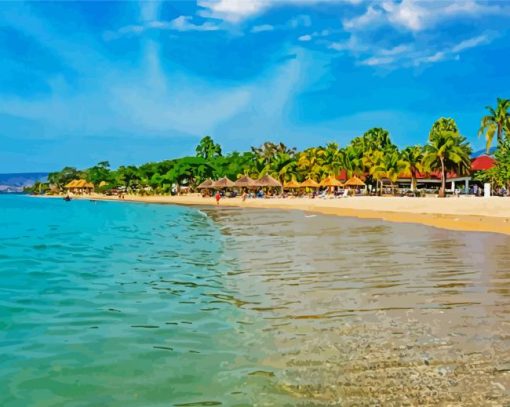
(245, 182)
(331, 181)
(207, 184)
(292, 184)
(354, 182)
(268, 181)
(310, 183)
(223, 183)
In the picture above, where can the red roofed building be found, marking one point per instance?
(482, 163)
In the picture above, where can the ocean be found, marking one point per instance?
(126, 304)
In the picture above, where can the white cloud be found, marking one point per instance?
(184, 23)
(472, 42)
(369, 18)
(419, 15)
(411, 55)
(181, 23)
(262, 28)
(305, 38)
(236, 11)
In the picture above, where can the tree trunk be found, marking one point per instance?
(413, 181)
(500, 134)
(442, 190)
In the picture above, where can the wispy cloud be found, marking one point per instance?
(236, 11)
(181, 23)
(419, 15)
(409, 55)
(262, 28)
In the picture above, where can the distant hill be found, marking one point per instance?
(15, 182)
(478, 153)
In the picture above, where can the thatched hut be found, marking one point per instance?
(223, 183)
(207, 184)
(245, 182)
(331, 181)
(79, 186)
(268, 181)
(354, 182)
(293, 184)
(310, 183)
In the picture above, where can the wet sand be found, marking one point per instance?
(371, 313)
(466, 213)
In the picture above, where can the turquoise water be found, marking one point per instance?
(123, 304)
(114, 304)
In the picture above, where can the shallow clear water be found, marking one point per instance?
(130, 304)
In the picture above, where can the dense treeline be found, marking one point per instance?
(372, 156)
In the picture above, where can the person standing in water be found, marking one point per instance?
(218, 197)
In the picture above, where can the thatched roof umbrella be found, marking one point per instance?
(292, 184)
(331, 181)
(223, 183)
(103, 184)
(268, 181)
(245, 182)
(207, 184)
(310, 183)
(71, 184)
(354, 182)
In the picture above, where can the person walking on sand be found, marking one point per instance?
(218, 197)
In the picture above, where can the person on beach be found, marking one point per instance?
(244, 196)
(217, 197)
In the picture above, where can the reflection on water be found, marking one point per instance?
(134, 305)
(367, 312)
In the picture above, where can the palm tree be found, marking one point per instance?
(412, 159)
(309, 162)
(283, 166)
(496, 122)
(388, 164)
(332, 159)
(447, 150)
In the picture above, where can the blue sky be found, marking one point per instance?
(131, 82)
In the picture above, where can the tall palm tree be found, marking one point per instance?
(496, 122)
(412, 159)
(447, 150)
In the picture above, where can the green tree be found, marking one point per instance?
(64, 176)
(100, 172)
(499, 175)
(496, 122)
(412, 159)
(446, 150)
(208, 149)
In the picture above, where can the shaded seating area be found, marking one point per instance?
(79, 186)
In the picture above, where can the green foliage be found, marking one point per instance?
(499, 175)
(208, 149)
(63, 177)
(372, 155)
(497, 122)
(446, 151)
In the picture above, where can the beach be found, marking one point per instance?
(464, 213)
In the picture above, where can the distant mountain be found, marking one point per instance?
(16, 182)
(478, 153)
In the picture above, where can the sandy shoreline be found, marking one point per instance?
(466, 213)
